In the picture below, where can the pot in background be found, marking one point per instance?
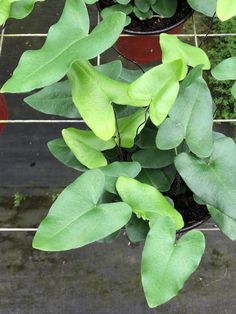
(143, 47)
(3, 112)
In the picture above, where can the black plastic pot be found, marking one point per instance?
(194, 225)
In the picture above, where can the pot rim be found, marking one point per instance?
(157, 32)
(194, 225)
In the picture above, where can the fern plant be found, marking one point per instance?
(149, 137)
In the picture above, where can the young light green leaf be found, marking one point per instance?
(87, 147)
(226, 224)
(62, 152)
(129, 127)
(214, 181)
(206, 7)
(95, 106)
(117, 169)
(5, 8)
(154, 158)
(55, 99)
(67, 41)
(167, 264)
(173, 49)
(226, 9)
(190, 119)
(159, 86)
(146, 201)
(77, 219)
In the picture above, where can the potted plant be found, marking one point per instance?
(150, 160)
(145, 20)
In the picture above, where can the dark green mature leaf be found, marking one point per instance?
(190, 119)
(159, 87)
(165, 8)
(226, 70)
(173, 49)
(95, 106)
(62, 152)
(224, 222)
(154, 158)
(77, 219)
(146, 138)
(214, 181)
(137, 229)
(142, 5)
(87, 147)
(129, 76)
(117, 169)
(146, 201)
(206, 7)
(167, 264)
(67, 41)
(55, 99)
(126, 9)
(160, 179)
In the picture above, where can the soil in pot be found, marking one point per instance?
(193, 214)
(143, 47)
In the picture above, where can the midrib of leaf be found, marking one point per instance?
(192, 109)
(55, 57)
(94, 206)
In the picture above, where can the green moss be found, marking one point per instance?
(218, 49)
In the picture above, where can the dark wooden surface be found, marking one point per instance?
(98, 279)
(104, 279)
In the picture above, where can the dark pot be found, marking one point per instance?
(3, 112)
(143, 47)
(194, 225)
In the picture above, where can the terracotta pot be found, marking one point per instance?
(3, 112)
(144, 48)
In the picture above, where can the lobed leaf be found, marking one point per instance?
(62, 152)
(67, 41)
(213, 180)
(87, 147)
(174, 49)
(190, 119)
(167, 263)
(77, 219)
(146, 201)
